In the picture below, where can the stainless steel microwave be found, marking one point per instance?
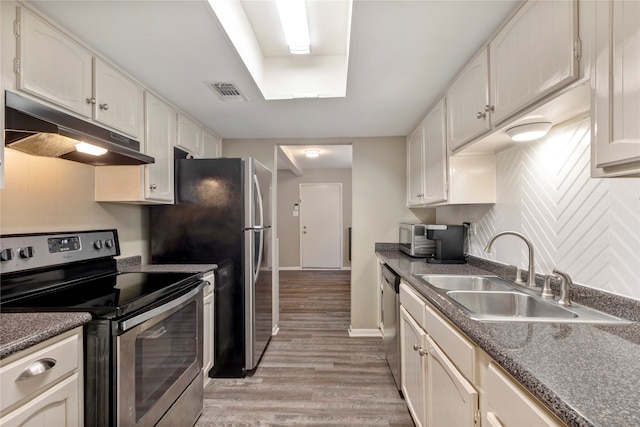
(413, 240)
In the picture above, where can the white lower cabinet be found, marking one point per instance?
(413, 367)
(448, 381)
(453, 401)
(509, 405)
(207, 329)
(43, 385)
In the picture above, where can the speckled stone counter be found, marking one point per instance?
(134, 264)
(19, 331)
(588, 375)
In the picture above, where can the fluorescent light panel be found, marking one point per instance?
(293, 17)
(94, 150)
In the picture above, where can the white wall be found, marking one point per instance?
(378, 205)
(588, 227)
(45, 194)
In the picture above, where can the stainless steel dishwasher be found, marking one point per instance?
(391, 320)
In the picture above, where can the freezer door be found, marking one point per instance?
(257, 194)
(258, 294)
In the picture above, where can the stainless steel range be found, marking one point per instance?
(143, 348)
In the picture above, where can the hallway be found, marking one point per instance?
(312, 372)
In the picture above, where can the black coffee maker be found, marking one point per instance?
(449, 243)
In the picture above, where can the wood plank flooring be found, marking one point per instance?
(312, 373)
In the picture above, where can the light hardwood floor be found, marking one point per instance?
(312, 372)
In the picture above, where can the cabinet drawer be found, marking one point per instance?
(458, 348)
(509, 405)
(62, 354)
(413, 303)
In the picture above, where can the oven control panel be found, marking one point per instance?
(20, 252)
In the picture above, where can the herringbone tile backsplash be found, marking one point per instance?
(588, 227)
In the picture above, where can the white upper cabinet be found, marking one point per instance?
(190, 136)
(118, 99)
(160, 136)
(52, 66)
(468, 103)
(535, 54)
(415, 169)
(435, 156)
(616, 88)
(212, 144)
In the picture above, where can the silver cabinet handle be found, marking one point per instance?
(488, 108)
(153, 186)
(422, 352)
(90, 100)
(36, 368)
(104, 107)
(481, 115)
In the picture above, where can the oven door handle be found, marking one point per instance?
(125, 325)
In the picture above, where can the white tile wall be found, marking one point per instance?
(588, 227)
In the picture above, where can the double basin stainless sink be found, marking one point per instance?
(492, 299)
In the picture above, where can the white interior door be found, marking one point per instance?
(321, 225)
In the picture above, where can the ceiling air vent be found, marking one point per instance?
(227, 91)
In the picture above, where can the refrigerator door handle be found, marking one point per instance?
(259, 197)
(259, 259)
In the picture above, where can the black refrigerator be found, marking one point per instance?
(222, 215)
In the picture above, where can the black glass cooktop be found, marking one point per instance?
(109, 296)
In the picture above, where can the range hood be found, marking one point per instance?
(40, 130)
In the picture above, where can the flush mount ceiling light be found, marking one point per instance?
(529, 132)
(312, 153)
(94, 150)
(293, 17)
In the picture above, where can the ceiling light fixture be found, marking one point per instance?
(529, 131)
(94, 150)
(293, 17)
(312, 153)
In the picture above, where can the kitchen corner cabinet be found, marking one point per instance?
(52, 66)
(434, 178)
(144, 184)
(533, 55)
(190, 136)
(616, 89)
(468, 108)
(207, 329)
(427, 159)
(54, 396)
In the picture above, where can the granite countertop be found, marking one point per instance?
(19, 331)
(587, 375)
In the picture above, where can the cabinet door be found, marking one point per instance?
(508, 405)
(212, 145)
(468, 103)
(207, 332)
(533, 55)
(617, 83)
(452, 399)
(435, 156)
(119, 100)
(415, 171)
(413, 366)
(58, 406)
(190, 136)
(52, 66)
(160, 137)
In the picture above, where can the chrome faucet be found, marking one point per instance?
(531, 279)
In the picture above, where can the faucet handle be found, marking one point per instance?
(547, 293)
(565, 282)
(519, 276)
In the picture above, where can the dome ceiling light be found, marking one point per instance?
(529, 131)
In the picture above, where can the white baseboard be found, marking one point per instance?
(360, 333)
(314, 269)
